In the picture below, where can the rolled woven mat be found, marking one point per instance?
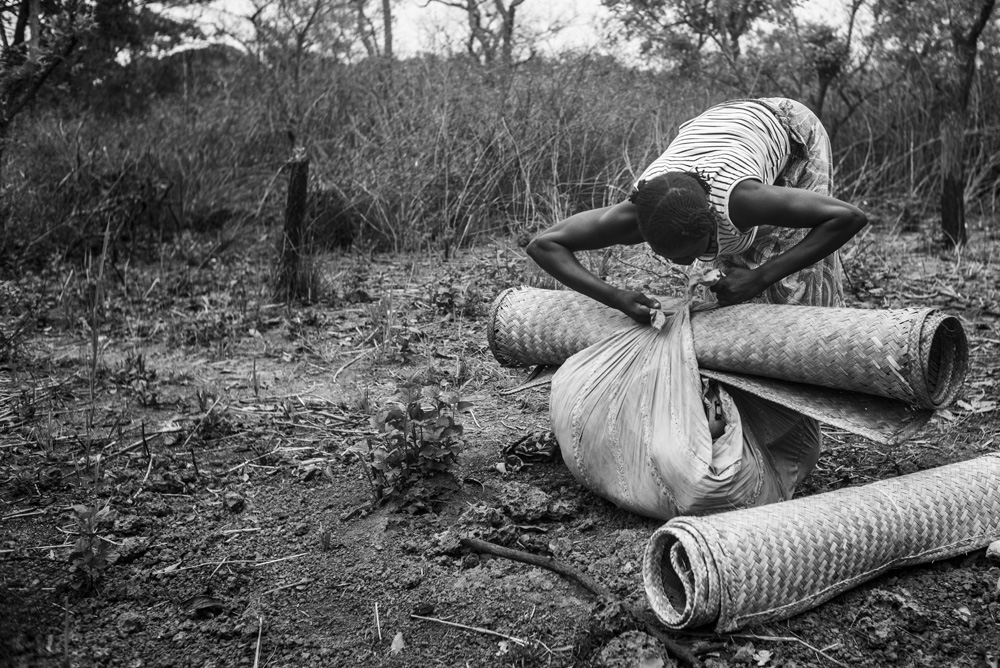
(769, 563)
(918, 356)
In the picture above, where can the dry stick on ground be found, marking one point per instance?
(260, 631)
(752, 636)
(352, 361)
(303, 581)
(142, 441)
(587, 583)
(187, 440)
(477, 629)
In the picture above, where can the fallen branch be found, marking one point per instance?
(588, 583)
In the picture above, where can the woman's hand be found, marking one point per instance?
(635, 305)
(738, 286)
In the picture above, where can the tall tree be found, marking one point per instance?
(367, 28)
(492, 28)
(387, 28)
(682, 31)
(940, 39)
(812, 61)
(965, 25)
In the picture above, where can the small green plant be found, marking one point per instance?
(418, 435)
(390, 332)
(132, 374)
(447, 296)
(92, 554)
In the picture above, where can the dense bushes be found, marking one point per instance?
(429, 151)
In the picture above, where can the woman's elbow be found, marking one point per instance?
(855, 220)
(537, 247)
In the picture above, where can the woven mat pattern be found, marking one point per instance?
(917, 356)
(770, 563)
(531, 326)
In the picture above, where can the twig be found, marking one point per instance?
(477, 629)
(378, 622)
(260, 629)
(142, 441)
(352, 361)
(289, 586)
(149, 468)
(204, 417)
(221, 564)
(587, 583)
(274, 561)
(50, 547)
(66, 634)
(253, 564)
(239, 466)
(19, 515)
(753, 636)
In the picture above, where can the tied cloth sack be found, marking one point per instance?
(638, 426)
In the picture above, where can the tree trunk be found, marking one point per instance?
(953, 179)
(290, 282)
(387, 28)
(4, 136)
(965, 44)
(35, 24)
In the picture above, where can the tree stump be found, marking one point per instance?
(290, 283)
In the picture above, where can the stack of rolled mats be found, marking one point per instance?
(761, 564)
(917, 356)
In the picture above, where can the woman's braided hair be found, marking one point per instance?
(672, 207)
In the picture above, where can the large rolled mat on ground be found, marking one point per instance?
(917, 356)
(769, 563)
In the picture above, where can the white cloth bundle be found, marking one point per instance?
(630, 416)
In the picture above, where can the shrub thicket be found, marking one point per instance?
(428, 151)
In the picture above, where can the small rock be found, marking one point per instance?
(234, 502)
(993, 551)
(128, 525)
(423, 609)
(129, 622)
(634, 648)
(132, 548)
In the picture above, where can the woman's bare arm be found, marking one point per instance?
(555, 251)
(833, 223)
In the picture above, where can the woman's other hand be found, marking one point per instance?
(738, 286)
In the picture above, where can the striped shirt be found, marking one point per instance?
(728, 144)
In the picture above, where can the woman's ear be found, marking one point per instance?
(635, 191)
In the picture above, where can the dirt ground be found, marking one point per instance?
(205, 436)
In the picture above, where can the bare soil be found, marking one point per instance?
(216, 428)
